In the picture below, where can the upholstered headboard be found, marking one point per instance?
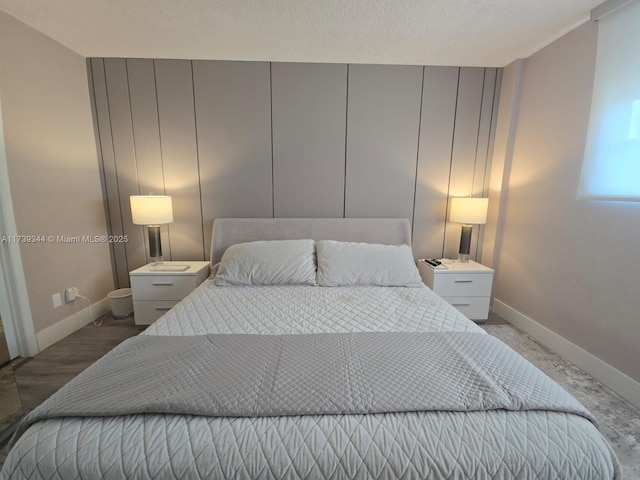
(229, 231)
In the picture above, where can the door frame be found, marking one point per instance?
(14, 298)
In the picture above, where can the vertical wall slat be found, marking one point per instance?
(103, 185)
(382, 140)
(233, 108)
(436, 134)
(482, 151)
(177, 121)
(146, 135)
(465, 144)
(492, 133)
(124, 155)
(495, 101)
(110, 175)
(309, 121)
(484, 131)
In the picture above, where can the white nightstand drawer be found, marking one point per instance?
(463, 285)
(162, 287)
(475, 308)
(146, 312)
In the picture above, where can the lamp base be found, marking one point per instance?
(465, 244)
(155, 244)
(463, 257)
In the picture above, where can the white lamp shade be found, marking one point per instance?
(470, 211)
(151, 209)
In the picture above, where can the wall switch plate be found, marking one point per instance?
(70, 294)
(57, 301)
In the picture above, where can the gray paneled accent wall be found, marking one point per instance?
(180, 163)
(309, 118)
(465, 151)
(146, 134)
(110, 185)
(439, 94)
(233, 112)
(260, 139)
(382, 140)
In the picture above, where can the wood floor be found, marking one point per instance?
(42, 375)
(10, 406)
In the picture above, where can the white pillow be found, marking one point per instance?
(276, 262)
(349, 263)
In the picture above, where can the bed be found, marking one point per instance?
(497, 443)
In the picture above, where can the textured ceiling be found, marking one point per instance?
(427, 32)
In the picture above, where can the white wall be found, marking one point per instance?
(572, 266)
(52, 167)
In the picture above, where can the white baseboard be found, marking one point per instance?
(613, 378)
(67, 326)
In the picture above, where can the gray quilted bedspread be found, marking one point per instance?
(282, 375)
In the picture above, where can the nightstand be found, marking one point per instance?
(155, 292)
(466, 286)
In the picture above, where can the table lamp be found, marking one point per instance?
(468, 211)
(152, 211)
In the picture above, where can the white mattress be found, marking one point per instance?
(493, 444)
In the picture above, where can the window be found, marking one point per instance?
(611, 169)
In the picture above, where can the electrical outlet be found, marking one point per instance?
(70, 294)
(57, 301)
